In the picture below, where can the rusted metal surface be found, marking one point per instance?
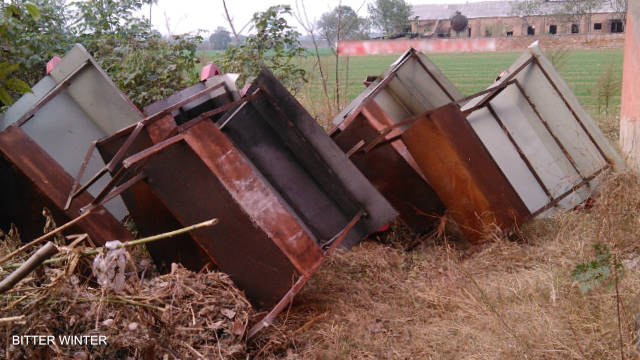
(520, 149)
(31, 180)
(411, 86)
(258, 242)
(282, 189)
(298, 158)
(149, 213)
(404, 187)
(74, 105)
(463, 173)
(70, 108)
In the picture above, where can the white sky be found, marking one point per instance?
(192, 15)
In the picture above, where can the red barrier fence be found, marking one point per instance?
(547, 42)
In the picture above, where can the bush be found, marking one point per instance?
(274, 46)
(143, 64)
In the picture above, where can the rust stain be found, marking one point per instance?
(463, 174)
(248, 190)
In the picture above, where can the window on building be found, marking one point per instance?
(575, 28)
(617, 26)
(553, 29)
(509, 33)
(531, 31)
(597, 26)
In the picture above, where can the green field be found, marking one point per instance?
(470, 72)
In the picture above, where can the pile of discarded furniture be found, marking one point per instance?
(287, 193)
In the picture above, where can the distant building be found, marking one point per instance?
(497, 18)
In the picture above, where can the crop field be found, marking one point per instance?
(470, 72)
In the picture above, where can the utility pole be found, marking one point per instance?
(630, 106)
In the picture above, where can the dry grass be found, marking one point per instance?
(512, 299)
(180, 315)
(509, 299)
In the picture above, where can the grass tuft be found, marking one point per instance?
(444, 300)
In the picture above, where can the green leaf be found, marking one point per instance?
(18, 85)
(12, 10)
(33, 11)
(5, 98)
(7, 68)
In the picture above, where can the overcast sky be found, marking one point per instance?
(192, 15)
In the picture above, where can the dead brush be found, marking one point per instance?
(507, 300)
(178, 315)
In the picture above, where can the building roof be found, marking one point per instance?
(489, 9)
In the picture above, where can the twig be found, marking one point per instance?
(131, 243)
(190, 348)
(615, 278)
(11, 319)
(309, 323)
(233, 29)
(43, 237)
(45, 252)
(119, 301)
(218, 343)
(306, 24)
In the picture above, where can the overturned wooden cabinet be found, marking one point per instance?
(282, 190)
(411, 86)
(149, 213)
(523, 148)
(44, 136)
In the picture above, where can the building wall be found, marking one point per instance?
(518, 26)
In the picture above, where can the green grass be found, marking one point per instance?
(470, 72)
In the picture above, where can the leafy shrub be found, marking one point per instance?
(30, 34)
(275, 46)
(142, 64)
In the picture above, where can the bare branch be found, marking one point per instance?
(309, 28)
(230, 21)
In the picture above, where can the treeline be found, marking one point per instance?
(146, 66)
(385, 18)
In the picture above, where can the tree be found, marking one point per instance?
(342, 23)
(31, 32)
(390, 16)
(620, 7)
(526, 8)
(140, 62)
(275, 46)
(578, 10)
(145, 66)
(220, 38)
(12, 17)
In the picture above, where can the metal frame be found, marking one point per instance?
(33, 151)
(62, 85)
(489, 94)
(103, 197)
(290, 122)
(135, 162)
(495, 91)
(385, 154)
(134, 133)
(381, 83)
